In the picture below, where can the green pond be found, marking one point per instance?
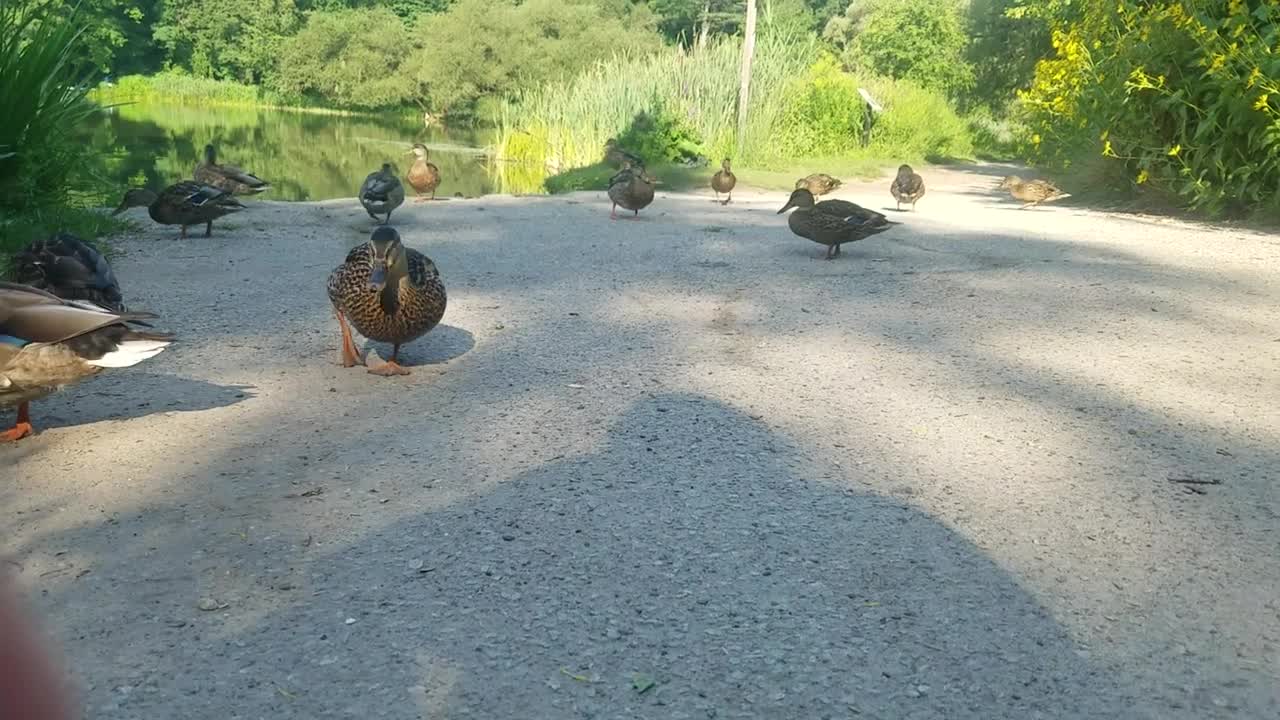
(305, 156)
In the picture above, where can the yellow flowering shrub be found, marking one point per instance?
(1179, 96)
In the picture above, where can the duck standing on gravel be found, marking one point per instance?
(227, 177)
(70, 268)
(423, 176)
(185, 203)
(832, 222)
(389, 292)
(818, 184)
(1032, 192)
(907, 187)
(381, 192)
(47, 343)
(723, 181)
(631, 188)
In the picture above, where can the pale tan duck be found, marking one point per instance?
(1032, 192)
(423, 175)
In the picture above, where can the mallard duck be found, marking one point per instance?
(832, 222)
(907, 187)
(227, 177)
(47, 343)
(423, 176)
(390, 293)
(818, 184)
(70, 268)
(381, 192)
(631, 188)
(185, 203)
(1032, 192)
(723, 181)
(615, 155)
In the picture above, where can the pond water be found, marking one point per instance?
(305, 156)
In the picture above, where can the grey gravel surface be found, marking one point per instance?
(679, 467)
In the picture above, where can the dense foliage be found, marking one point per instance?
(906, 39)
(1183, 97)
(352, 57)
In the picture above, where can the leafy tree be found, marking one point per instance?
(227, 39)
(1007, 39)
(349, 57)
(907, 39)
(483, 48)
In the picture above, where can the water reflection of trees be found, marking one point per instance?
(305, 156)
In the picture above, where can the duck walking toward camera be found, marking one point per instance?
(227, 177)
(723, 182)
(1032, 192)
(70, 268)
(423, 176)
(381, 192)
(185, 203)
(818, 184)
(832, 222)
(907, 187)
(390, 293)
(632, 188)
(47, 343)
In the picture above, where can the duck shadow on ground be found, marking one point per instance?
(130, 395)
(441, 345)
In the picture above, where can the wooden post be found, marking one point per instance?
(744, 89)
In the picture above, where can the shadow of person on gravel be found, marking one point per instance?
(691, 567)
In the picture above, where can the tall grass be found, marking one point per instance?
(44, 181)
(566, 124)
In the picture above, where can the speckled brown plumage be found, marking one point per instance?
(423, 175)
(410, 303)
(724, 181)
(632, 188)
(907, 187)
(832, 222)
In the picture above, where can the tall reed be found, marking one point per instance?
(566, 124)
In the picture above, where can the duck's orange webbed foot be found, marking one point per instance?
(389, 369)
(21, 427)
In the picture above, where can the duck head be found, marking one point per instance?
(801, 199)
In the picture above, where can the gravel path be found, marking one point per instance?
(679, 467)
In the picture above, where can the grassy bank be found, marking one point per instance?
(182, 89)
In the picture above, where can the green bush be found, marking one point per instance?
(484, 47)
(917, 123)
(350, 58)
(1181, 98)
(660, 134)
(907, 39)
(822, 114)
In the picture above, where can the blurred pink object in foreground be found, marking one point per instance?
(31, 688)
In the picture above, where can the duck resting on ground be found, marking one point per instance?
(907, 187)
(632, 188)
(390, 293)
(723, 181)
(616, 156)
(1032, 192)
(227, 177)
(423, 176)
(818, 184)
(832, 222)
(70, 268)
(47, 343)
(184, 203)
(381, 192)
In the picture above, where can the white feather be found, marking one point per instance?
(131, 352)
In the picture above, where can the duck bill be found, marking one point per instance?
(790, 204)
(378, 276)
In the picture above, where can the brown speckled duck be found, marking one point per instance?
(70, 268)
(907, 187)
(818, 184)
(723, 181)
(423, 175)
(1032, 192)
(185, 203)
(390, 293)
(631, 188)
(227, 177)
(832, 222)
(47, 343)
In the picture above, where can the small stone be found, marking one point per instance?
(351, 621)
(208, 604)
